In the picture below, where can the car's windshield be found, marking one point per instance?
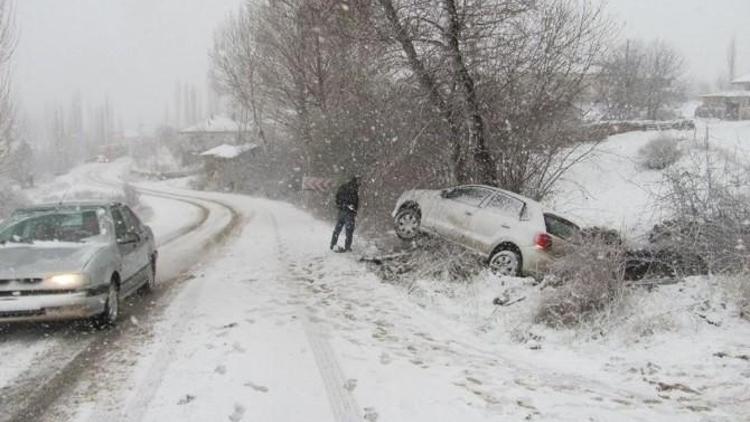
(61, 226)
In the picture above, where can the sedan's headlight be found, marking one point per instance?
(67, 280)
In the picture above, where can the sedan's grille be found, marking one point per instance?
(18, 293)
(20, 280)
(21, 314)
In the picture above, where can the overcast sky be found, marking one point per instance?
(134, 51)
(699, 29)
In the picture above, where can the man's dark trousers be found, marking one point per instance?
(346, 219)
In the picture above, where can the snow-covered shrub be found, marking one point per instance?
(581, 284)
(198, 183)
(660, 152)
(737, 289)
(711, 219)
(131, 195)
(10, 198)
(431, 259)
(603, 235)
(744, 296)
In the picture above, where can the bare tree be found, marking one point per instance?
(236, 60)
(641, 81)
(663, 85)
(414, 93)
(504, 75)
(7, 48)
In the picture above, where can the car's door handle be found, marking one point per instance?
(469, 213)
(505, 226)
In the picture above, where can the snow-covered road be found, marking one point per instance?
(270, 326)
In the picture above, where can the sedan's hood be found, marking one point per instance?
(38, 260)
(420, 194)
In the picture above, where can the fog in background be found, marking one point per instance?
(701, 30)
(135, 51)
(132, 51)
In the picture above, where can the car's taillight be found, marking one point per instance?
(543, 241)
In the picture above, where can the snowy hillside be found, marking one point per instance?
(612, 188)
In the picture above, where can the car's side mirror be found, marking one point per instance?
(129, 239)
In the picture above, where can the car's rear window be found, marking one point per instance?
(560, 227)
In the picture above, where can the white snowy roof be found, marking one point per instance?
(229, 151)
(215, 124)
(744, 79)
(728, 94)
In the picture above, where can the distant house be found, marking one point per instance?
(228, 166)
(728, 105)
(211, 133)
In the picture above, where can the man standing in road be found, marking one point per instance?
(347, 202)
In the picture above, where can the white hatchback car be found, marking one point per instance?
(516, 234)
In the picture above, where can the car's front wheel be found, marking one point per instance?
(111, 312)
(505, 262)
(407, 223)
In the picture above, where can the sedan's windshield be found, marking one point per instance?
(61, 226)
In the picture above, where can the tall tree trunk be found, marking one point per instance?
(484, 168)
(428, 84)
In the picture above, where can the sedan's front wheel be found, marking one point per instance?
(111, 312)
(407, 224)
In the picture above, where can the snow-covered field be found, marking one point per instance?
(612, 189)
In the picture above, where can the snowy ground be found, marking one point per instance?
(272, 326)
(612, 189)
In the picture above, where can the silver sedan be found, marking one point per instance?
(73, 261)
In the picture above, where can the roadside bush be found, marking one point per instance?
(744, 297)
(132, 197)
(660, 153)
(583, 283)
(737, 288)
(198, 183)
(710, 229)
(603, 235)
(430, 259)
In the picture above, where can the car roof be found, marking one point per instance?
(544, 209)
(66, 205)
(506, 192)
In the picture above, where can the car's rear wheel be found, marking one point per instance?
(407, 223)
(505, 261)
(111, 312)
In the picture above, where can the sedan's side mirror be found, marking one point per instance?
(129, 239)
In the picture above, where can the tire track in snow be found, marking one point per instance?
(343, 404)
(135, 409)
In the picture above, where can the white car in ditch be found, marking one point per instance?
(73, 261)
(516, 234)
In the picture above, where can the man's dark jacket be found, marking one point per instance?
(347, 196)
